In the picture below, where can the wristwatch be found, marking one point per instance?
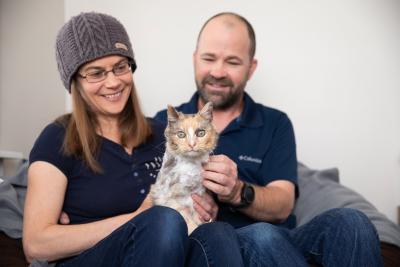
(247, 195)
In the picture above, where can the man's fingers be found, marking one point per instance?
(218, 158)
(215, 177)
(204, 201)
(216, 188)
(213, 166)
(204, 216)
(205, 207)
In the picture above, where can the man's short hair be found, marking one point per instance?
(250, 30)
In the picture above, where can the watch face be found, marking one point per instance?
(248, 193)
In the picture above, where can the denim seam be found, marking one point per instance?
(202, 248)
(131, 258)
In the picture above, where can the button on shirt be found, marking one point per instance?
(120, 188)
(261, 142)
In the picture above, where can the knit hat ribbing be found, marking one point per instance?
(86, 37)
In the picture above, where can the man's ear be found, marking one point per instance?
(253, 67)
(194, 57)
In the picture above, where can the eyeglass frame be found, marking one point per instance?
(105, 72)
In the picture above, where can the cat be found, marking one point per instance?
(190, 138)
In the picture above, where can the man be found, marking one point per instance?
(254, 170)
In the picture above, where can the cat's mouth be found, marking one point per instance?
(193, 153)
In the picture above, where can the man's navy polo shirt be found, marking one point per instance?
(261, 142)
(119, 189)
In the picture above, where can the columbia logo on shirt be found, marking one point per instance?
(250, 159)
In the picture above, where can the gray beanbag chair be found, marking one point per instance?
(320, 191)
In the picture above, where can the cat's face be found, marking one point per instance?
(191, 135)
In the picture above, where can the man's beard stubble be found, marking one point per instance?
(224, 100)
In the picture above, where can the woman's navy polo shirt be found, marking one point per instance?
(261, 142)
(119, 189)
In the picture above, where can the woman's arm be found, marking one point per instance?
(43, 237)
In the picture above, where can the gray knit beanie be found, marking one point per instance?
(86, 37)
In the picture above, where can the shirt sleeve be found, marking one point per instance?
(161, 116)
(48, 148)
(281, 157)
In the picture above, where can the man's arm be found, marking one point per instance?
(273, 202)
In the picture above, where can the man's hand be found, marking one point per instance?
(205, 207)
(221, 177)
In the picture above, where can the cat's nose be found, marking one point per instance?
(192, 144)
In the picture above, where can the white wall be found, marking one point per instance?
(31, 93)
(333, 66)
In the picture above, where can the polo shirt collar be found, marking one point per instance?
(191, 106)
(250, 117)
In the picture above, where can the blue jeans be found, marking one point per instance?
(338, 237)
(158, 237)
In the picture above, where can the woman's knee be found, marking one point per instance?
(164, 225)
(216, 233)
(216, 229)
(215, 244)
(161, 216)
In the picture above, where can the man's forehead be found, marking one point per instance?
(228, 22)
(219, 37)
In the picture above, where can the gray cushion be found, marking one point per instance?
(12, 198)
(320, 191)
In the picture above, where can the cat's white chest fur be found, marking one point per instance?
(178, 179)
(190, 173)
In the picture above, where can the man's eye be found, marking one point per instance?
(181, 134)
(234, 63)
(208, 59)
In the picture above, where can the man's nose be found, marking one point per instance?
(218, 70)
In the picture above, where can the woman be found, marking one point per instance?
(98, 163)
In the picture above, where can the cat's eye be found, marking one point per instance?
(200, 133)
(181, 134)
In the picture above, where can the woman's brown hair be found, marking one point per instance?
(81, 139)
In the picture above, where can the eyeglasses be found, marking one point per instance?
(100, 74)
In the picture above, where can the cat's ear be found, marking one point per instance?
(206, 111)
(173, 115)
